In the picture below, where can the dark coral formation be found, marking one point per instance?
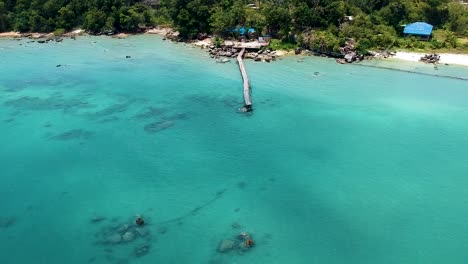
(158, 126)
(46, 104)
(6, 222)
(110, 110)
(73, 134)
(150, 112)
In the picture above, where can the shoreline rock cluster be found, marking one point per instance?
(167, 33)
(350, 54)
(43, 36)
(430, 58)
(229, 52)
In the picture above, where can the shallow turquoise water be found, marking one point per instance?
(338, 163)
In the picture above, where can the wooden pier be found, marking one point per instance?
(247, 103)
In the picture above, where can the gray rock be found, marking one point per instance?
(350, 57)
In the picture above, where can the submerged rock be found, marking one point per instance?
(122, 228)
(226, 245)
(55, 102)
(142, 231)
(151, 112)
(128, 236)
(158, 126)
(113, 239)
(110, 110)
(142, 250)
(7, 222)
(73, 134)
(97, 219)
(162, 230)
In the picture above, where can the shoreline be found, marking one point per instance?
(445, 58)
(165, 32)
(169, 33)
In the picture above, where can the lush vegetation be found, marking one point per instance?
(96, 16)
(319, 24)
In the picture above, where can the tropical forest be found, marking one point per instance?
(324, 24)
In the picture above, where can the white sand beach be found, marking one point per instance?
(10, 34)
(459, 59)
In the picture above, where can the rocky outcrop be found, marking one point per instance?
(381, 54)
(42, 38)
(120, 36)
(430, 58)
(350, 53)
(229, 52)
(74, 33)
(173, 35)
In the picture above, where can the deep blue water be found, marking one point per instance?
(337, 164)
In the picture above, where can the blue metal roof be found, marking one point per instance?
(418, 28)
(243, 30)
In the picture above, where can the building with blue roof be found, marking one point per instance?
(243, 31)
(421, 29)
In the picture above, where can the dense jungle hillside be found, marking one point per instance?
(320, 24)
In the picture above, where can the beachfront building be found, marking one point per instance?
(419, 29)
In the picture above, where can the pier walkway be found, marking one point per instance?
(247, 102)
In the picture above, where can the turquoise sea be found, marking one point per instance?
(337, 163)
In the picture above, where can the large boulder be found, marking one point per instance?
(350, 57)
